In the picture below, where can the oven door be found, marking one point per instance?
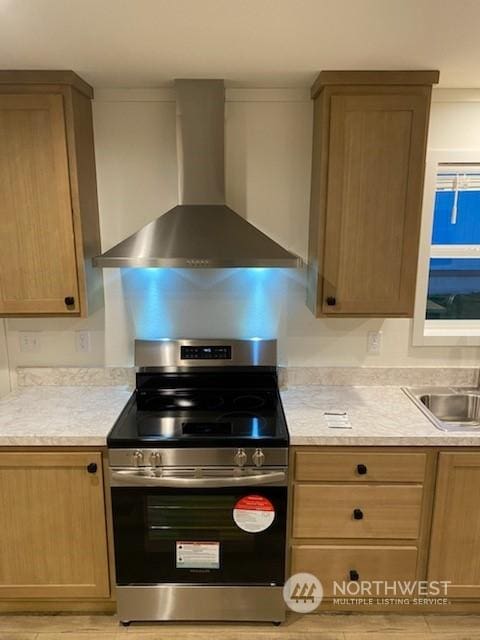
(218, 528)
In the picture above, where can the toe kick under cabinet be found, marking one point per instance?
(387, 514)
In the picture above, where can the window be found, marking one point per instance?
(447, 309)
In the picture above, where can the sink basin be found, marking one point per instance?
(460, 408)
(450, 409)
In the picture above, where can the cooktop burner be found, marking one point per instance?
(185, 427)
(196, 405)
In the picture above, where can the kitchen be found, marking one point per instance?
(66, 380)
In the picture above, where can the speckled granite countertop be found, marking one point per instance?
(380, 416)
(83, 415)
(60, 416)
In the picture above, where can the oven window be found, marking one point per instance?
(155, 527)
(171, 517)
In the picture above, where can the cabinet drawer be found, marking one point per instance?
(324, 466)
(346, 511)
(330, 563)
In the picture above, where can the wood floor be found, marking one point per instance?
(313, 627)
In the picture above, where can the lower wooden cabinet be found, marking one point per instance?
(388, 514)
(455, 541)
(359, 466)
(53, 541)
(366, 511)
(354, 563)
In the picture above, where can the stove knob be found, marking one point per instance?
(240, 458)
(137, 458)
(155, 459)
(258, 458)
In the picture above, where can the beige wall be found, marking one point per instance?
(4, 370)
(268, 147)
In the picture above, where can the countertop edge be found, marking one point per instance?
(379, 441)
(53, 441)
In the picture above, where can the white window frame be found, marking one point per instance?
(440, 332)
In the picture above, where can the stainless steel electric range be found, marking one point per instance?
(198, 473)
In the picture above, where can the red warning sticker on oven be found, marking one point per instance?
(253, 513)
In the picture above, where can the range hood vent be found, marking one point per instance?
(201, 231)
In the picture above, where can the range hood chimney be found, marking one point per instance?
(201, 231)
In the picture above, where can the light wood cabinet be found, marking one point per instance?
(359, 466)
(335, 563)
(367, 511)
(53, 541)
(455, 541)
(370, 132)
(360, 514)
(420, 519)
(49, 228)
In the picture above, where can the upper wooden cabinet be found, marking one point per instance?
(370, 132)
(49, 226)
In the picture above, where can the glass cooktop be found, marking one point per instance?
(209, 409)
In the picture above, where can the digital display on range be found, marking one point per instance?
(215, 352)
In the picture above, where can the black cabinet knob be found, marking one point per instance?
(331, 301)
(361, 469)
(70, 301)
(92, 467)
(354, 575)
(358, 514)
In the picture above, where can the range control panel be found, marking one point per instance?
(212, 352)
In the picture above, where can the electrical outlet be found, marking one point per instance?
(82, 341)
(29, 341)
(374, 342)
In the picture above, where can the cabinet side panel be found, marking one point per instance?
(316, 232)
(85, 200)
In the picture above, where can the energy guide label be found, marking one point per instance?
(198, 555)
(253, 513)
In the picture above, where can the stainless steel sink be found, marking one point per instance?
(450, 409)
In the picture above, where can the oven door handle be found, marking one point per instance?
(129, 478)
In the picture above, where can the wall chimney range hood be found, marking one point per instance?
(201, 231)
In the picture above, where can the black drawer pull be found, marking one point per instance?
(70, 301)
(331, 301)
(361, 469)
(92, 467)
(354, 575)
(358, 514)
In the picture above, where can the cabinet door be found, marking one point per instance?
(374, 193)
(455, 542)
(53, 531)
(37, 257)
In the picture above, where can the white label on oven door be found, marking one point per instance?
(198, 555)
(253, 513)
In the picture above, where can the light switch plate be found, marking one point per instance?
(82, 341)
(374, 342)
(29, 341)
